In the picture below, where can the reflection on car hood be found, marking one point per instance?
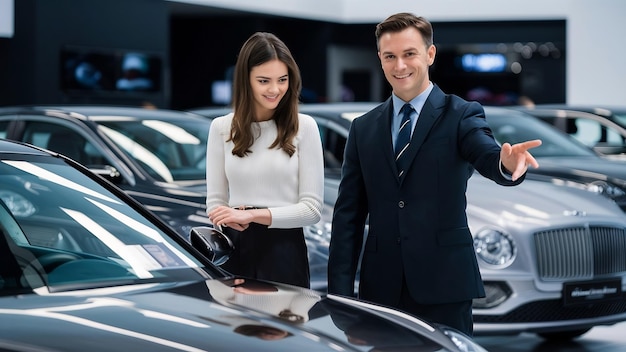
(196, 316)
(537, 200)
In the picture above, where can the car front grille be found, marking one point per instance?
(580, 252)
(553, 310)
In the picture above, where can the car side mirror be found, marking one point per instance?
(212, 243)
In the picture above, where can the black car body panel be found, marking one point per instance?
(188, 317)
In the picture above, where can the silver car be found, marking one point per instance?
(551, 256)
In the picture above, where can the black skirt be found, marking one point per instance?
(278, 255)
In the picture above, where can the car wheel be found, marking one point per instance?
(563, 335)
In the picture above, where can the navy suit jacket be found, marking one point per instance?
(417, 224)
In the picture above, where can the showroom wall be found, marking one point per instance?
(595, 41)
(32, 68)
(339, 61)
(590, 69)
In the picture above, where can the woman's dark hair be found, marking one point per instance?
(260, 48)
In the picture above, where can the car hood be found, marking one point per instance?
(582, 168)
(535, 201)
(199, 316)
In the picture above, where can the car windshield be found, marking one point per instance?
(169, 150)
(620, 116)
(512, 127)
(61, 227)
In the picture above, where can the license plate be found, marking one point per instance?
(587, 292)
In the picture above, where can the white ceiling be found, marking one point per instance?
(368, 11)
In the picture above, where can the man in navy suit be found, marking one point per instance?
(418, 255)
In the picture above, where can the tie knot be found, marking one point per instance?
(406, 109)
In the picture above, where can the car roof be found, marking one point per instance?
(348, 110)
(327, 109)
(602, 110)
(99, 110)
(12, 147)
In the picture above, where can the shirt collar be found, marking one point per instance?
(417, 102)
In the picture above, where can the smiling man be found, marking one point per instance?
(406, 167)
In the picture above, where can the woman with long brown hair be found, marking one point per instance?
(265, 168)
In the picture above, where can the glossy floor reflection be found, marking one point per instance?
(601, 338)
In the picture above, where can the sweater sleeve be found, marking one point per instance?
(217, 183)
(307, 211)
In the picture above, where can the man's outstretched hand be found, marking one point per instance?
(516, 158)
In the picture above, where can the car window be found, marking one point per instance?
(515, 128)
(168, 151)
(620, 118)
(63, 140)
(587, 131)
(593, 133)
(4, 126)
(76, 231)
(333, 144)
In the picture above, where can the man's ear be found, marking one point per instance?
(432, 51)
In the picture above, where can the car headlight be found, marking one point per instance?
(603, 188)
(19, 206)
(606, 189)
(494, 247)
(463, 342)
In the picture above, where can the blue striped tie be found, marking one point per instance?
(404, 139)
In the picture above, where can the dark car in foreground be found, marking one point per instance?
(602, 128)
(541, 245)
(85, 267)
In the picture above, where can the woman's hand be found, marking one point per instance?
(224, 216)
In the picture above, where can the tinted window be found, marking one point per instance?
(4, 126)
(63, 140)
(514, 128)
(167, 150)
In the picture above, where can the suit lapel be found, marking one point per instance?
(383, 128)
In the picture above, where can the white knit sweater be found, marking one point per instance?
(292, 188)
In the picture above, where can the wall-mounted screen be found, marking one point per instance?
(483, 62)
(92, 70)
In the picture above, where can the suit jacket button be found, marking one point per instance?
(401, 204)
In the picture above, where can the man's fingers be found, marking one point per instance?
(529, 144)
(530, 160)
